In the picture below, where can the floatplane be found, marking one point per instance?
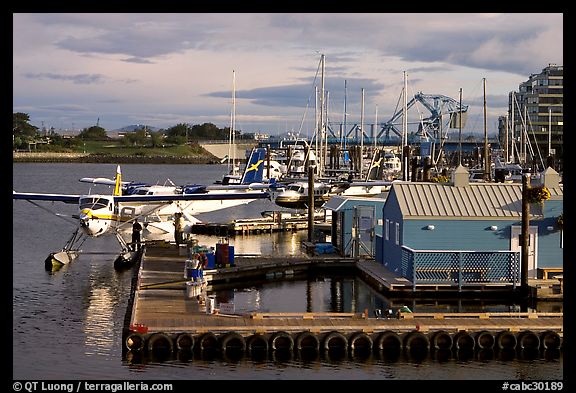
(159, 219)
(104, 214)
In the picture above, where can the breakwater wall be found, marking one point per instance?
(110, 158)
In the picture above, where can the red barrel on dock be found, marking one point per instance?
(222, 254)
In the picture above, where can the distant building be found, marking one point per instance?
(258, 136)
(538, 108)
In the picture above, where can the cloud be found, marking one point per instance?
(64, 108)
(302, 95)
(80, 79)
(514, 43)
(174, 66)
(137, 60)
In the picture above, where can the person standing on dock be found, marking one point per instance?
(178, 228)
(136, 229)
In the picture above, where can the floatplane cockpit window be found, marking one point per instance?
(93, 203)
(295, 188)
(141, 191)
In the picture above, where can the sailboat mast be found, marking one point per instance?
(233, 121)
(512, 130)
(317, 125)
(506, 150)
(486, 155)
(344, 127)
(375, 130)
(405, 129)
(361, 134)
(322, 120)
(231, 139)
(523, 138)
(549, 132)
(326, 105)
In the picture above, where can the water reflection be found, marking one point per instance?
(337, 293)
(266, 244)
(485, 354)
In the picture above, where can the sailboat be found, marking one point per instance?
(233, 176)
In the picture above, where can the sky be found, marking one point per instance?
(72, 71)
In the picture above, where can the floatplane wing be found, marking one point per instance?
(344, 185)
(103, 180)
(191, 197)
(31, 196)
(74, 199)
(370, 183)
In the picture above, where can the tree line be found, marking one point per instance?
(24, 133)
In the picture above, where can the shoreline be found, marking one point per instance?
(50, 157)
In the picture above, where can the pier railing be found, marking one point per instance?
(460, 267)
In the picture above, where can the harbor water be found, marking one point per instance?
(67, 324)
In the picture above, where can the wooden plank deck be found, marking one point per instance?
(382, 276)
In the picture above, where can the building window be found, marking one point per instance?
(397, 234)
(387, 230)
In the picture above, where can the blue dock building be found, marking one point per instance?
(356, 222)
(462, 233)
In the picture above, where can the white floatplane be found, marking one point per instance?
(102, 214)
(159, 216)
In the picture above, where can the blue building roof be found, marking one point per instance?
(478, 200)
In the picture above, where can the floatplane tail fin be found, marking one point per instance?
(254, 172)
(118, 182)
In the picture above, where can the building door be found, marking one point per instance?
(363, 231)
(516, 230)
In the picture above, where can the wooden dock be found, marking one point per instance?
(276, 221)
(163, 317)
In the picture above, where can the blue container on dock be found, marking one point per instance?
(324, 248)
(211, 260)
(231, 255)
